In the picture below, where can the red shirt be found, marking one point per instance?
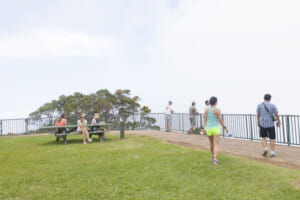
(63, 122)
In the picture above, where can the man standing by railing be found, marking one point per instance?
(169, 112)
(193, 112)
(266, 113)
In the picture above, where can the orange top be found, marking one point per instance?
(63, 122)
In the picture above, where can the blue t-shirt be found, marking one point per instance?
(265, 118)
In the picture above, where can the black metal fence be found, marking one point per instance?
(242, 126)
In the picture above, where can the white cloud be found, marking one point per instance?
(43, 42)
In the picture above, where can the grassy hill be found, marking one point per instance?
(135, 168)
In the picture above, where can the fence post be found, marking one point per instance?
(283, 128)
(1, 128)
(247, 126)
(182, 123)
(179, 118)
(26, 126)
(122, 131)
(288, 130)
(223, 128)
(251, 128)
(200, 121)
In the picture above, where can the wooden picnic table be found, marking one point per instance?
(64, 131)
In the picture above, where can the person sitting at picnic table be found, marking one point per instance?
(61, 122)
(82, 127)
(95, 121)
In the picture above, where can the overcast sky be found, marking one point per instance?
(179, 50)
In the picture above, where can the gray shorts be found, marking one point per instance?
(193, 121)
(169, 119)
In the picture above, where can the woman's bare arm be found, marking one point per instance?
(205, 118)
(219, 114)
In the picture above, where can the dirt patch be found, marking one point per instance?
(296, 184)
(187, 145)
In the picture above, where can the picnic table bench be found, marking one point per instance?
(64, 131)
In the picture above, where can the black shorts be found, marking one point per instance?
(267, 132)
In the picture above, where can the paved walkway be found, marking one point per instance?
(288, 157)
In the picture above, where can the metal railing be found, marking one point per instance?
(242, 126)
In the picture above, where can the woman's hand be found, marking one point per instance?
(226, 129)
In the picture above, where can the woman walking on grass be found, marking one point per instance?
(211, 123)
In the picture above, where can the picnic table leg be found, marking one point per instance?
(100, 137)
(57, 138)
(122, 134)
(65, 139)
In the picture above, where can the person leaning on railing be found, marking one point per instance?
(82, 127)
(211, 123)
(61, 122)
(168, 116)
(193, 112)
(96, 121)
(207, 106)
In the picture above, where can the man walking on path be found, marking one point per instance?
(266, 113)
(193, 111)
(168, 114)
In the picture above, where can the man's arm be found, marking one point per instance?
(278, 119)
(258, 115)
(277, 116)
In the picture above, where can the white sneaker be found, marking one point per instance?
(273, 155)
(84, 142)
(265, 153)
(90, 140)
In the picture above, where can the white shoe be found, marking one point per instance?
(265, 153)
(273, 155)
(84, 142)
(90, 140)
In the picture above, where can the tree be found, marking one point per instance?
(102, 102)
(110, 106)
(145, 110)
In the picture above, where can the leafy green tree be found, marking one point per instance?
(110, 106)
(145, 110)
(102, 102)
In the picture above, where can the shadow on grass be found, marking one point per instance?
(76, 141)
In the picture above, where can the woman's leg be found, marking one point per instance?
(211, 142)
(215, 146)
(83, 131)
(86, 133)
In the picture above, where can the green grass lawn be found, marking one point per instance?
(135, 168)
